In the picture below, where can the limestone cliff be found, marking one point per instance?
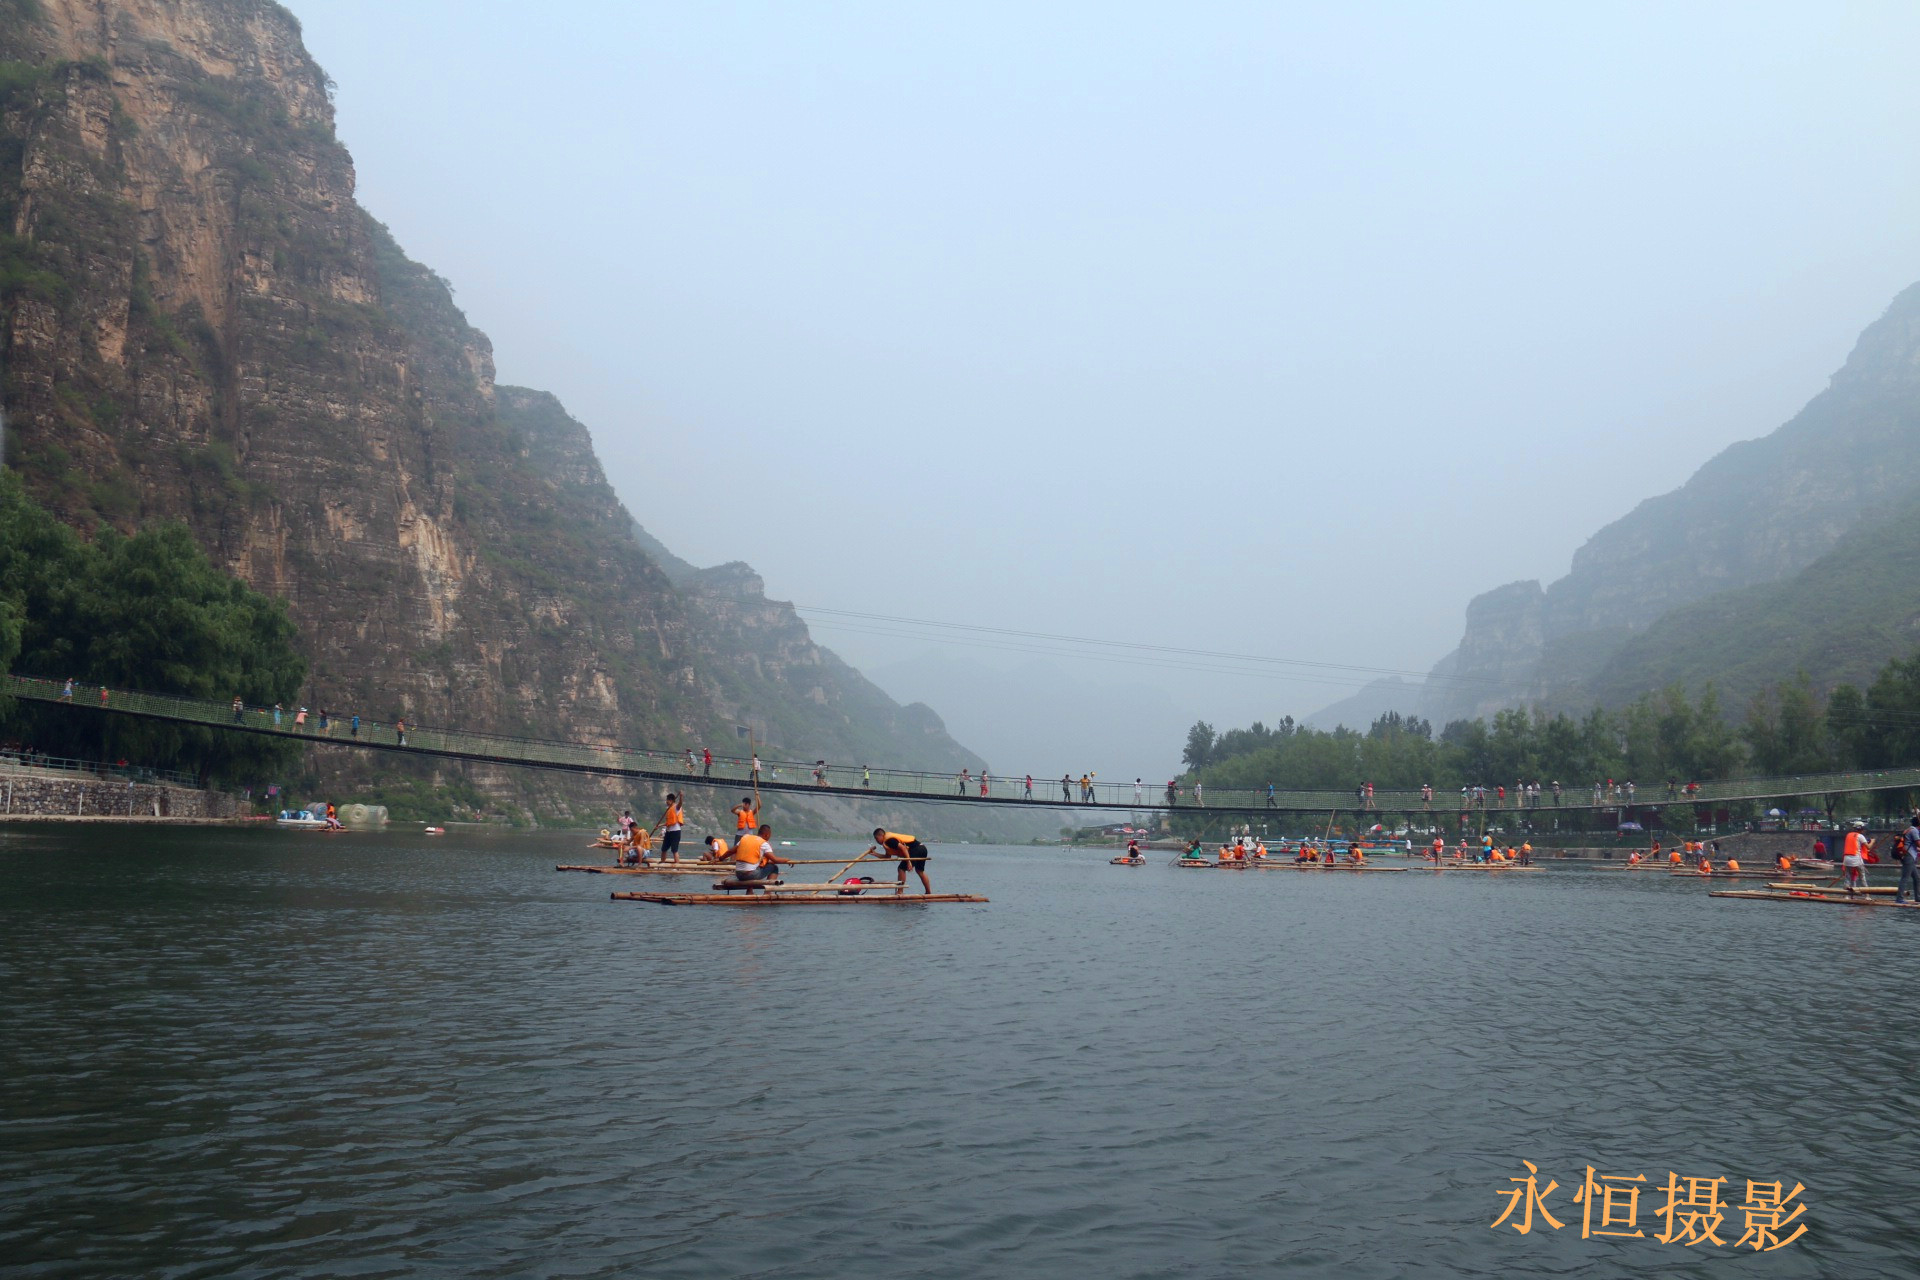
(1759, 512)
(198, 322)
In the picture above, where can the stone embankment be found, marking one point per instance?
(40, 799)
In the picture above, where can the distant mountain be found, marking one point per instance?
(1762, 511)
(1392, 693)
(1840, 618)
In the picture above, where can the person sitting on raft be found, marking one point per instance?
(1133, 849)
(1706, 865)
(1784, 865)
(717, 850)
(1193, 853)
(910, 852)
(1633, 859)
(754, 860)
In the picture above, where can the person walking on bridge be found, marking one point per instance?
(1066, 788)
(1173, 794)
(706, 762)
(960, 787)
(1029, 786)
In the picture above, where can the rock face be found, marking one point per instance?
(1759, 512)
(199, 322)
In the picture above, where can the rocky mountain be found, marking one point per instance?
(198, 322)
(1644, 591)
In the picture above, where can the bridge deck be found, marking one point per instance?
(795, 777)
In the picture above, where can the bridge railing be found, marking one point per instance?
(350, 730)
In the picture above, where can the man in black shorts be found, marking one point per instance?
(910, 852)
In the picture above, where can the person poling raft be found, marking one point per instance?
(910, 852)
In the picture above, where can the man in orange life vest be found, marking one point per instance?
(753, 858)
(673, 820)
(910, 852)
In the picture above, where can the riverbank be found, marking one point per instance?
(38, 797)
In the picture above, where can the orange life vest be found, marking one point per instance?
(751, 851)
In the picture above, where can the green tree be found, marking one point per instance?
(148, 612)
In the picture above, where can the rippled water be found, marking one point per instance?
(271, 1054)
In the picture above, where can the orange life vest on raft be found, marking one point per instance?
(751, 851)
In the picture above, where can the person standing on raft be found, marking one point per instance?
(746, 815)
(908, 850)
(673, 820)
(1853, 862)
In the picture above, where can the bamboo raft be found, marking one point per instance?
(776, 897)
(1839, 898)
(1831, 886)
(1325, 866)
(1487, 866)
(1723, 875)
(670, 869)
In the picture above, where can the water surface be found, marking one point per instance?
(272, 1054)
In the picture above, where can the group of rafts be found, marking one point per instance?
(751, 871)
(1791, 879)
(1241, 854)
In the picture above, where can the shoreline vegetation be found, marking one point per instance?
(1641, 757)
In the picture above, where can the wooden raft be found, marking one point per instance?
(1325, 866)
(1725, 875)
(1486, 866)
(683, 869)
(778, 899)
(1838, 899)
(1831, 886)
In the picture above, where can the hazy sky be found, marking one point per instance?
(1263, 328)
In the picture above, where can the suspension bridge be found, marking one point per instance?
(682, 769)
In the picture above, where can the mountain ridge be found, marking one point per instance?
(199, 322)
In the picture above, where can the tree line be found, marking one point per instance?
(147, 611)
(1791, 728)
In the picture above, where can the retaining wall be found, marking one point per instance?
(42, 797)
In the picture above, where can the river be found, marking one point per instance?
(273, 1054)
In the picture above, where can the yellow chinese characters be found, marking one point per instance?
(1694, 1212)
(1535, 1199)
(1608, 1190)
